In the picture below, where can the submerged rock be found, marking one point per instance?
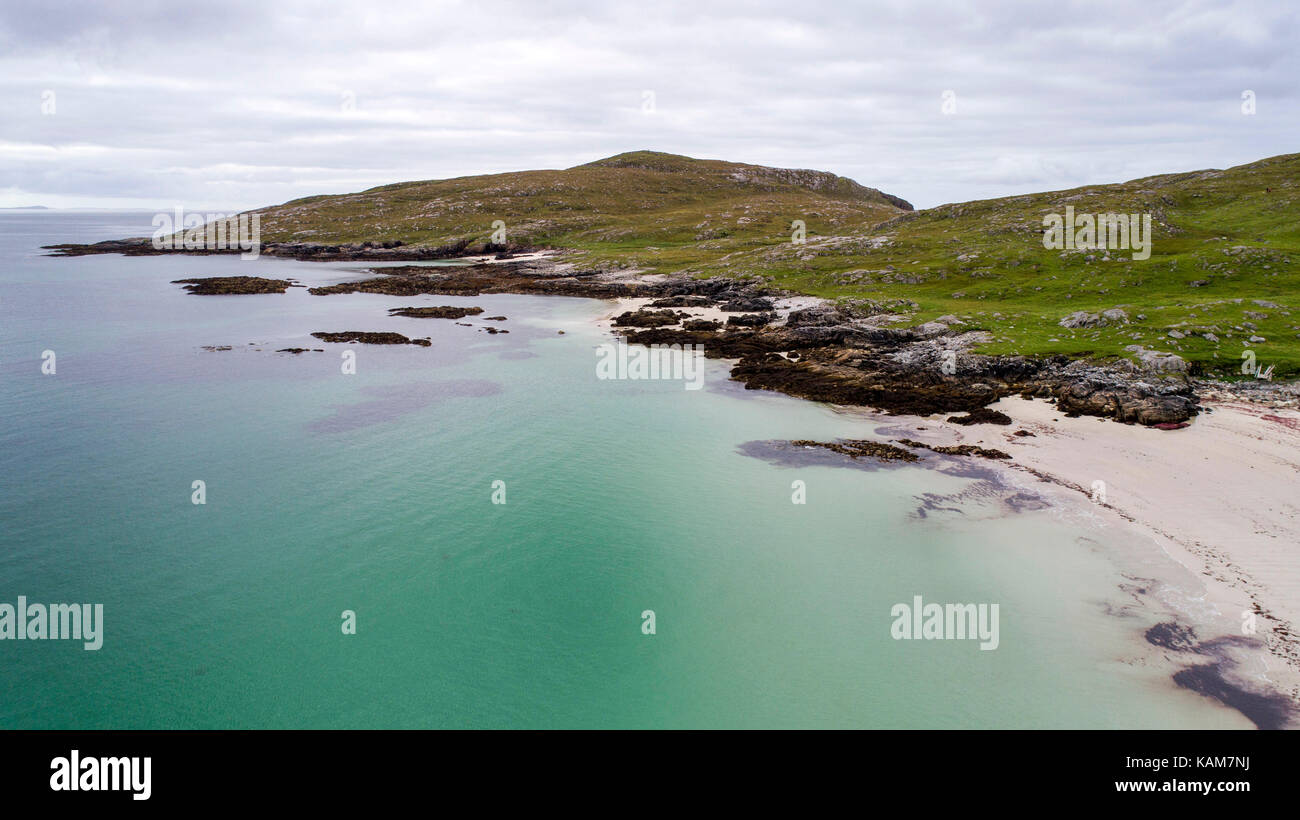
(857, 448)
(370, 338)
(218, 285)
(958, 449)
(443, 312)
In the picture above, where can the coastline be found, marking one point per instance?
(1231, 527)
(875, 366)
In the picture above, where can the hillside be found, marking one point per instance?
(624, 202)
(1224, 268)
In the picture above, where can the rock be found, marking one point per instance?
(746, 304)
(982, 415)
(221, 285)
(1177, 334)
(370, 338)
(443, 312)
(682, 301)
(958, 449)
(929, 330)
(1157, 361)
(648, 318)
(1082, 318)
(856, 448)
(816, 316)
(751, 319)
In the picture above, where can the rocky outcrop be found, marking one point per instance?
(858, 448)
(751, 319)
(499, 277)
(218, 285)
(894, 371)
(859, 354)
(390, 251)
(682, 301)
(441, 312)
(1157, 361)
(370, 338)
(1081, 319)
(981, 416)
(746, 304)
(648, 318)
(958, 449)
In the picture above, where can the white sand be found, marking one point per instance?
(1221, 496)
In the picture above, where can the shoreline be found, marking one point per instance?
(872, 364)
(1155, 486)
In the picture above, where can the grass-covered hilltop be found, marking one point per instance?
(1222, 274)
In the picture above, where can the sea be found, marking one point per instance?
(483, 533)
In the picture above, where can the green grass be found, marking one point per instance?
(661, 213)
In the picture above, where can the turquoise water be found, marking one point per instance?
(373, 493)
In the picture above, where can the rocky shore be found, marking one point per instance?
(862, 354)
(393, 251)
(369, 338)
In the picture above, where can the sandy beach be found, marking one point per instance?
(1218, 495)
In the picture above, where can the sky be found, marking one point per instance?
(232, 104)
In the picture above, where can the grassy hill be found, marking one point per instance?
(620, 203)
(1224, 267)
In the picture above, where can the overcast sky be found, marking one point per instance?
(230, 104)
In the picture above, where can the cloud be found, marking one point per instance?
(241, 104)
